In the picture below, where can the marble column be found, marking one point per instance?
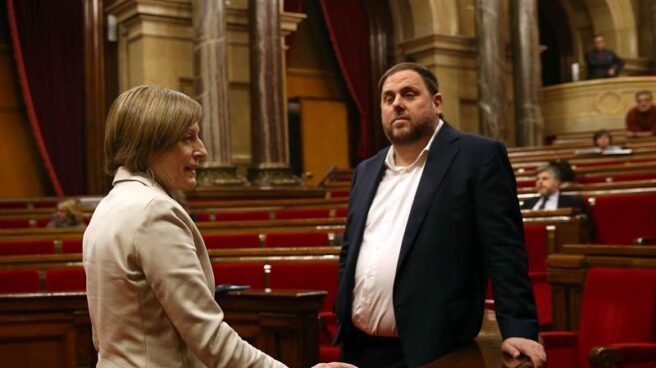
(491, 71)
(527, 77)
(211, 85)
(270, 157)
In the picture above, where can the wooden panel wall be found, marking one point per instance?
(21, 171)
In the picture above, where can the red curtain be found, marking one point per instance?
(47, 38)
(348, 26)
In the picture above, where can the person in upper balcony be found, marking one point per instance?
(602, 62)
(641, 117)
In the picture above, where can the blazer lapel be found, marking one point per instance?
(440, 155)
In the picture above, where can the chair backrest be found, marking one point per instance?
(296, 239)
(224, 241)
(535, 241)
(26, 247)
(622, 218)
(302, 213)
(307, 275)
(19, 281)
(251, 274)
(65, 279)
(72, 245)
(619, 305)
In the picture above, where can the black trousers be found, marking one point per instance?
(365, 351)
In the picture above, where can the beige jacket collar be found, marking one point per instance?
(123, 174)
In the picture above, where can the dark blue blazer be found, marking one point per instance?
(464, 225)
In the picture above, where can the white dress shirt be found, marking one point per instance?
(552, 202)
(373, 310)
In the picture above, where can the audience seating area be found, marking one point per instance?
(290, 240)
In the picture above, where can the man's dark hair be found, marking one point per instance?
(564, 169)
(430, 80)
(643, 92)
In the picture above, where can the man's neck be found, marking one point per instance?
(406, 154)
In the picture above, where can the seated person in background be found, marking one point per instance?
(641, 117)
(67, 215)
(602, 62)
(547, 184)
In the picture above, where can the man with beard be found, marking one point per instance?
(642, 117)
(430, 218)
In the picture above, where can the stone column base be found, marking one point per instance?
(219, 176)
(273, 176)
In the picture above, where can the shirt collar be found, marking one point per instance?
(390, 162)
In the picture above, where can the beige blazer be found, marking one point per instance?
(150, 286)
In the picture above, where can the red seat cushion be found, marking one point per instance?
(223, 241)
(619, 305)
(341, 212)
(535, 241)
(615, 178)
(13, 223)
(622, 218)
(526, 183)
(26, 247)
(307, 275)
(242, 216)
(72, 246)
(43, 221)
(202, 216)
(297, 239)
(19, 281)
(239, 274)
(65, 279)
(338, 194)
(302, 213)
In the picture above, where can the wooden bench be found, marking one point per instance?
(54, 330)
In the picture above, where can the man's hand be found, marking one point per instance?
(516, 346)
(611, 72)
(334, 365)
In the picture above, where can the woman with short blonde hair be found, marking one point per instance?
(150, 286)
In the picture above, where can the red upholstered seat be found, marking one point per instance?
(338, 194)
(13, 223)
(26, 247)
(239, 274)
(19, 281)
(45, 204)
(242, 215)
(223, 241)
(43, 221)
(526, 183)
(341, 212)
(65, 279)
(307, 275)
(615, 178)
(302, 213)
(296, 239)
(621, 218)
(72, 246)
(313, 276)
(535, 241)
(618, 310)
(202, 216)
(12, 205)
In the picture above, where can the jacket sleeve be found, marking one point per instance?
(166, 253)
(501, 232)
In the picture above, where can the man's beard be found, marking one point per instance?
(412, 134)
